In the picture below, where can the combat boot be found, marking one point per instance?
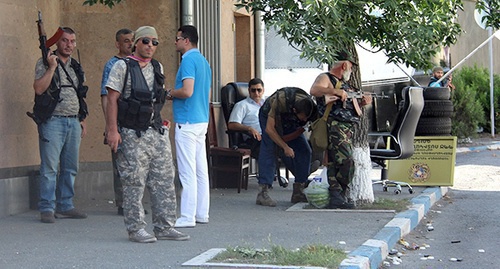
(338, 202)
(298, 195)
(263, 197)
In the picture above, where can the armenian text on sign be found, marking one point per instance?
(432, 163)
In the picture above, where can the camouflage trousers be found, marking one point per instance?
(146, 162)
(340, 162)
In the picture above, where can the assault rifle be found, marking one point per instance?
(42, 38)
(45, 102)
(355, 95)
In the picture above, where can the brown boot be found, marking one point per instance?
(47, 217)
(263, 197)
(298, 195)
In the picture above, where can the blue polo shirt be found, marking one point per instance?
(194, 109)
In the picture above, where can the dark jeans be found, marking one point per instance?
(299, 166)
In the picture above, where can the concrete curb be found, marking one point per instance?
(375, 250)
(493, 146)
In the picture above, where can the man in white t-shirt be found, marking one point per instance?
(245, 115)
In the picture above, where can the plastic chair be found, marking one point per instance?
(401, 137)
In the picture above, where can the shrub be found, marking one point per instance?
(471, 101)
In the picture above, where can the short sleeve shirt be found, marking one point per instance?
(246, 112)
(194, 109)
(68, 105)
(116, 79)
(105, 74)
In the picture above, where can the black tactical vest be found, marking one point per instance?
(341, 111)
(141, 109)
(46, 102)
(287, 119)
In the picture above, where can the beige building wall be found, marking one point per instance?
(95, 27)
(472, 37)
(19, 44)
(228, 39)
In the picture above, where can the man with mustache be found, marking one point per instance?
(124, 38)
(61, 126)
(136, 131)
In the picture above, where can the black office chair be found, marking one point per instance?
(400, 138)
(231, 94)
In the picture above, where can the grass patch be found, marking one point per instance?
(387, 204)
(310, 255)
(379, 204)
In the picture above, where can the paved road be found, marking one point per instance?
(464, 222)
(101, 241)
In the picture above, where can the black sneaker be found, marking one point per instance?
(171, 234)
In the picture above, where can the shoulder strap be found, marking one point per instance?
(126, 60)
(327, 111)
(78, 71)
(335, 82)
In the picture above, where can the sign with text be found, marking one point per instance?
(432, 163)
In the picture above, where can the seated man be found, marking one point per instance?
(282, 118)
(245, 116)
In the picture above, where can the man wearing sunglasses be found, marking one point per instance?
(191, 98)
(134, 130)
(245, 116)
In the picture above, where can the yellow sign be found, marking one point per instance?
(432, 163)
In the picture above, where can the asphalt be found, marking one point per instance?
(100, 241)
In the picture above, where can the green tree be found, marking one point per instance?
(409, 32)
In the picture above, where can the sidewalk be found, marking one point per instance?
(101, 240)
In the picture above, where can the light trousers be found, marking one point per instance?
(193, 171)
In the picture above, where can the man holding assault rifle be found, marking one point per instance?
(59, 112)
(331, 90)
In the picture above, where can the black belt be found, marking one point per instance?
(64, 116)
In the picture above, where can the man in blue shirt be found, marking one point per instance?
(124, 42)
(191, 98)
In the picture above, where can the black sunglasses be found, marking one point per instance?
(256, 89)
(146, 41)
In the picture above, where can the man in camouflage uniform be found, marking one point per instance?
(144, 154)
(331, 87)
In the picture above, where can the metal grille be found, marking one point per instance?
(207, 21)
